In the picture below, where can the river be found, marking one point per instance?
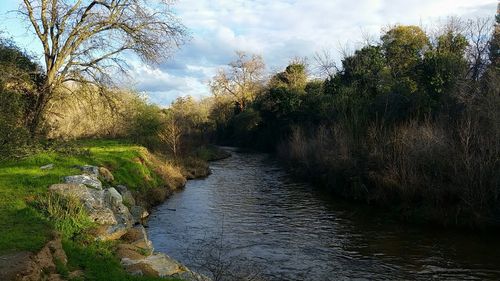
(261, 221)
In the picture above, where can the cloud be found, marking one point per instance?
(283, 29)
(279, 30)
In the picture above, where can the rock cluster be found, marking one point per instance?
(115, 210)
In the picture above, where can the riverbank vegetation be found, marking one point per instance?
(409, 121)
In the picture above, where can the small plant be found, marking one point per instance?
(66, 213)
(61, 268)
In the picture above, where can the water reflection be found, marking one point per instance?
(290, 231)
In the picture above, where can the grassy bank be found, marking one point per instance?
(26, 225)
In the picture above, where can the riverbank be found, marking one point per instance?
(28, 224)
(415, 173)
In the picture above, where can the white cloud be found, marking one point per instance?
(283, 29)
(280, 30)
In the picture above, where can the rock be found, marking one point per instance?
(27, 266)
(160, 265)
(139, 214)
(137, 232)
(138, 238)
(13, 265)
(90, 170)
(88, 180)
(141, 269)
(157, 265)
(111, 233)
(92, 200)
(113, 198)
(105, 207)
(128, 197)
(47, 167)
(129, 251)
(106, 174)
(191, 276)
(121, 188)
(114, 201)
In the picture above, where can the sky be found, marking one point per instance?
(279, 30)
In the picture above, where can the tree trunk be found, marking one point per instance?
(35, 113)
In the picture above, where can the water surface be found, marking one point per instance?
(287, 230)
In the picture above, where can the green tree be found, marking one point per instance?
(19, 80)
(363, 70)
(444, 65)
(293, 78)
(404, 46)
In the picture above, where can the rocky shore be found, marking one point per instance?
(119, 217)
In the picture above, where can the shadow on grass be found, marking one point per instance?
(23, 230)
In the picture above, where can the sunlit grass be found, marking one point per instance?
(23, 226)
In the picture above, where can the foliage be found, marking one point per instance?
(494, 50)
(145, 125)
(403, 47)
(88, 113)
(14, 134)
(18, 83)
(66, 213)
(294, 77)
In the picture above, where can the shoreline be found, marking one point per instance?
(118, 214)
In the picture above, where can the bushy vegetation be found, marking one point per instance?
(411, 121)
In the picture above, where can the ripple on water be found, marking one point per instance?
(290, 232)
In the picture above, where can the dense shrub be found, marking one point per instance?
(14, 134)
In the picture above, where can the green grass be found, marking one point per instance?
(30, 214)
(23, 226)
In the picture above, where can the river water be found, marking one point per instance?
(252, 213)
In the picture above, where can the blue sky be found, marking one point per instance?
(278, 30)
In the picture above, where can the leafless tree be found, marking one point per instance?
(83, 39)
(171, 134)
(242, 80)
(325, 63)
(478, 32)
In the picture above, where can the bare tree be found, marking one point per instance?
(325, 63)
(478, 32)
(242, 80)
(82, 39)
(171, 134)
